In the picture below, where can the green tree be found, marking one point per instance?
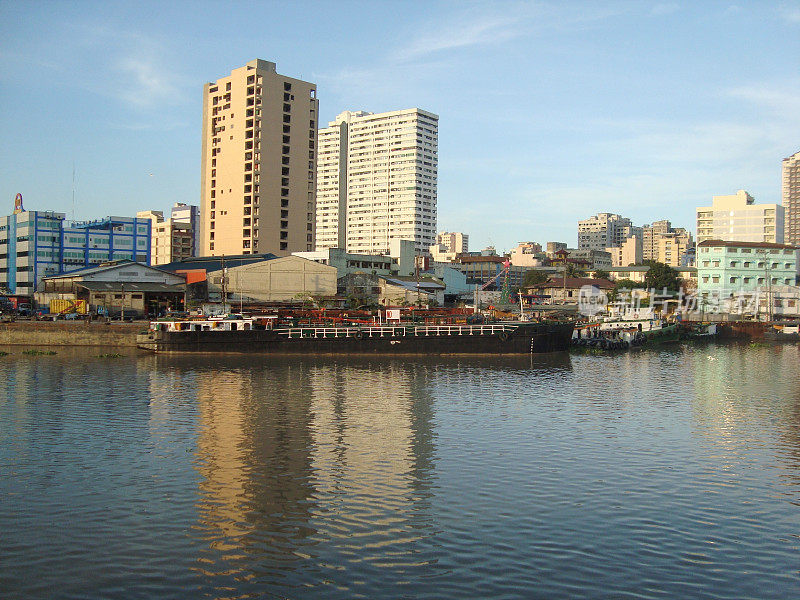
(601, 274)
(624, 284)
(532, 277)
(627, 284)
(660, 276)
(574, 271)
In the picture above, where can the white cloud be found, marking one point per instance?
(469, 30)
(144, 82)
(790, 13)
(782, 101)
(664, 8)
(132, 67)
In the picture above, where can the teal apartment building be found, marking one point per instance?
(731, 274)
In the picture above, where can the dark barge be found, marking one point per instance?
(498, 338)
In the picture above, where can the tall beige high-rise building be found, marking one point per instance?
(377, 178)
(791, 198)
(259, 162)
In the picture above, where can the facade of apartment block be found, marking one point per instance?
(627, 253)
(605, 230)
(171, 240)
(738, 218)
(729, 269)
(377, 181)
(258, 174)
(791, 198)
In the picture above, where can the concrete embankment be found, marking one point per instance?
(69, 333)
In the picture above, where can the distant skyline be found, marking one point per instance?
(549, 112)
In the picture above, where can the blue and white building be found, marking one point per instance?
(35, 244)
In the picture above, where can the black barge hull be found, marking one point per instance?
(526, 338)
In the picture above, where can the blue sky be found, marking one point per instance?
(549, 112)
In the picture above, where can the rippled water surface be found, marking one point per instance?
(670, 474)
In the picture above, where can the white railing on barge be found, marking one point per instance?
(389, 331)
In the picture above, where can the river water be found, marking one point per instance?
(655, 474)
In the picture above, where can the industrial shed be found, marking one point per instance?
(117, 287)
(257, 278)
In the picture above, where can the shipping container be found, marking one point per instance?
(62, 307)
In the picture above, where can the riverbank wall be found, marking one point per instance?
(70, 333)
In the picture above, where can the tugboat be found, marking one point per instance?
(782, 333)
(625, 332)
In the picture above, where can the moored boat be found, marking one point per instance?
(616, 334)
(249, 335)
(782, 333)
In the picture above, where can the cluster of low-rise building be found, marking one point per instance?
(293, 209)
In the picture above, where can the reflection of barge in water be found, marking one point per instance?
(248, 335)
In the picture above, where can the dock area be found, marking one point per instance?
(70, 333)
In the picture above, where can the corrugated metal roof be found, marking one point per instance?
(129, 286)
(121, 264)
(214, 263)
(412, 285)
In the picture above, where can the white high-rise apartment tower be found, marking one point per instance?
(376, 180)
(259, 162)
(791, 198)
(605, 230)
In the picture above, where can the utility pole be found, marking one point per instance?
(768, 275)
(122, 313)
(416, 270)
(224, 284)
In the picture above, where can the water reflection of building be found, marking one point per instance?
(752, 392)
(365, 427)
(374, 454)
(253, 455)
(296, 451)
